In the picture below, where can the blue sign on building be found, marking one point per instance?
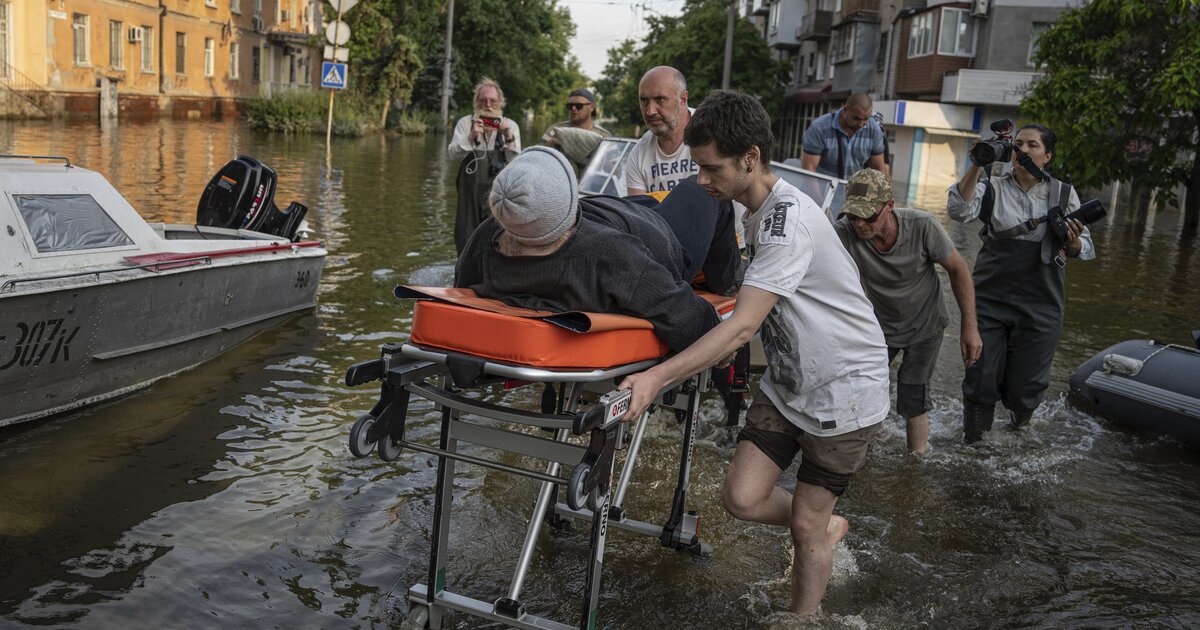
(333, 75)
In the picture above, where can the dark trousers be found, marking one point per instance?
(705, 229)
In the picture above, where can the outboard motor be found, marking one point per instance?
(242, 196)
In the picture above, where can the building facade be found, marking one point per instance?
(939, 72)
(144, 58)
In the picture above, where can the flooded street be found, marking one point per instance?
(227, 497)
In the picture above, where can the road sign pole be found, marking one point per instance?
(329, 123)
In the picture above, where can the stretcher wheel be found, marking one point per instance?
(576, 495)
(389, 450)
(359, 445)
(595, 500)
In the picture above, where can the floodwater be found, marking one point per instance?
(226, 496)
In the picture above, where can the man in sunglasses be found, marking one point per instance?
(579, 135)
(895, 249)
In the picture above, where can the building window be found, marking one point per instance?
(958, 33)
(5, 39)
(256, 64)
(147, 49)
(1034, 36)
(116, 58)
(80, 27)
(235, 6)
(234, 48)
(843, 43)
(882, 53)
(820, 65)
(920, 38)
(208, 56)
(258, 8)
(180, 53)
(774, 19)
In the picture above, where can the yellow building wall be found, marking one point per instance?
(48, 51)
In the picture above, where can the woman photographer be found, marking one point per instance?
(1019, 277)
(485, 141)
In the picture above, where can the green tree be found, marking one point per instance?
(694, 44)
(1122, 91)
(385, 57)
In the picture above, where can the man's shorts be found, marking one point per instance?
(916, 370)
(827, 462)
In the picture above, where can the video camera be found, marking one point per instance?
(1087, 214)
(998, 148)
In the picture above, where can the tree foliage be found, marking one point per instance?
(694, 44)
(1122, 91)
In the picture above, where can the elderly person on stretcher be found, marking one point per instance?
(547, 249)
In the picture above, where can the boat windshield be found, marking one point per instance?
(64, 223)
(605, 175)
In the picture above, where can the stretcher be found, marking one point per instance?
(461, 343)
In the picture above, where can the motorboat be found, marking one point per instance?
(1145, 385)
(95, 302)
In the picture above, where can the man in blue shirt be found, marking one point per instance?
(841, 143)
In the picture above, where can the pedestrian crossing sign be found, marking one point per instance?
(333, 75)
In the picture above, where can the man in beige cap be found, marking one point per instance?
(895, 249)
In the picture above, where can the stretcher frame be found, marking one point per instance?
(405, 370)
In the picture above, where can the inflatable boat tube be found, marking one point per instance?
(1144, 385)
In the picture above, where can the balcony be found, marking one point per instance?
(859, 8)
(986, 87)
(815, 26)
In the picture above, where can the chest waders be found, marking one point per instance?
(473, 185)
(1019, 306)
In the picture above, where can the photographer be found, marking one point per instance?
(1019, 273)
(485, 141)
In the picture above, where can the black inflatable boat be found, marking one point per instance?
(1145, 385)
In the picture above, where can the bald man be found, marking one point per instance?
(843, 142)
(660, 159)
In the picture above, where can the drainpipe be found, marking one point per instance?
(162, 72)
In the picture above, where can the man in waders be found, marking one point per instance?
(825, 391)
(1020, 282)
(484, 141)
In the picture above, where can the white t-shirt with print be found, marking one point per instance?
(827, 368)
(648, 168)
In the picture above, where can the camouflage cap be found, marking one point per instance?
(865, 192)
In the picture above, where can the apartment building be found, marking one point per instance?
(938, 70)
(144, 58)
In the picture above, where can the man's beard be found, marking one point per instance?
(489, 112)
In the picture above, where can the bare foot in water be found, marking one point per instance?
(837, 529)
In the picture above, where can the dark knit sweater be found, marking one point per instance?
(599, 269)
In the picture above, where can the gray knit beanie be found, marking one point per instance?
(536, 197)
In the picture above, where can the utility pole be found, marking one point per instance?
(728, 48)
(446, 67)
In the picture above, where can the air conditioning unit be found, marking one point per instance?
(979, 8)
(136, 34)
(811, 76)
(285, 16)
(258, 23)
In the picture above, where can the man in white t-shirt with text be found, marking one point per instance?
(660, 159)
(825, 391)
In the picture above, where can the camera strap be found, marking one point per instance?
(987, 205)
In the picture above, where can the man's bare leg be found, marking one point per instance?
(812, 509)
(751, 493)
(918, 433)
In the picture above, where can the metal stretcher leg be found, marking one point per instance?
(436, 578)
(681, 530)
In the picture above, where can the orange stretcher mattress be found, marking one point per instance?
(459, 321)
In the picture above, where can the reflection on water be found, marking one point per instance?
(226, 497)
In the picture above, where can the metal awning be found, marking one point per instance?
(289, 37)
(808, 94)
(957, 133)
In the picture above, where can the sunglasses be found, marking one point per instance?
(577, 105)
(874, 217)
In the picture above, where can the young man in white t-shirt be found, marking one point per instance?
(825, 391)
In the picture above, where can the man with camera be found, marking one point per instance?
(579, 135)
(1020, 284)
(895, 250)
(842, 142)
(484, 142)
